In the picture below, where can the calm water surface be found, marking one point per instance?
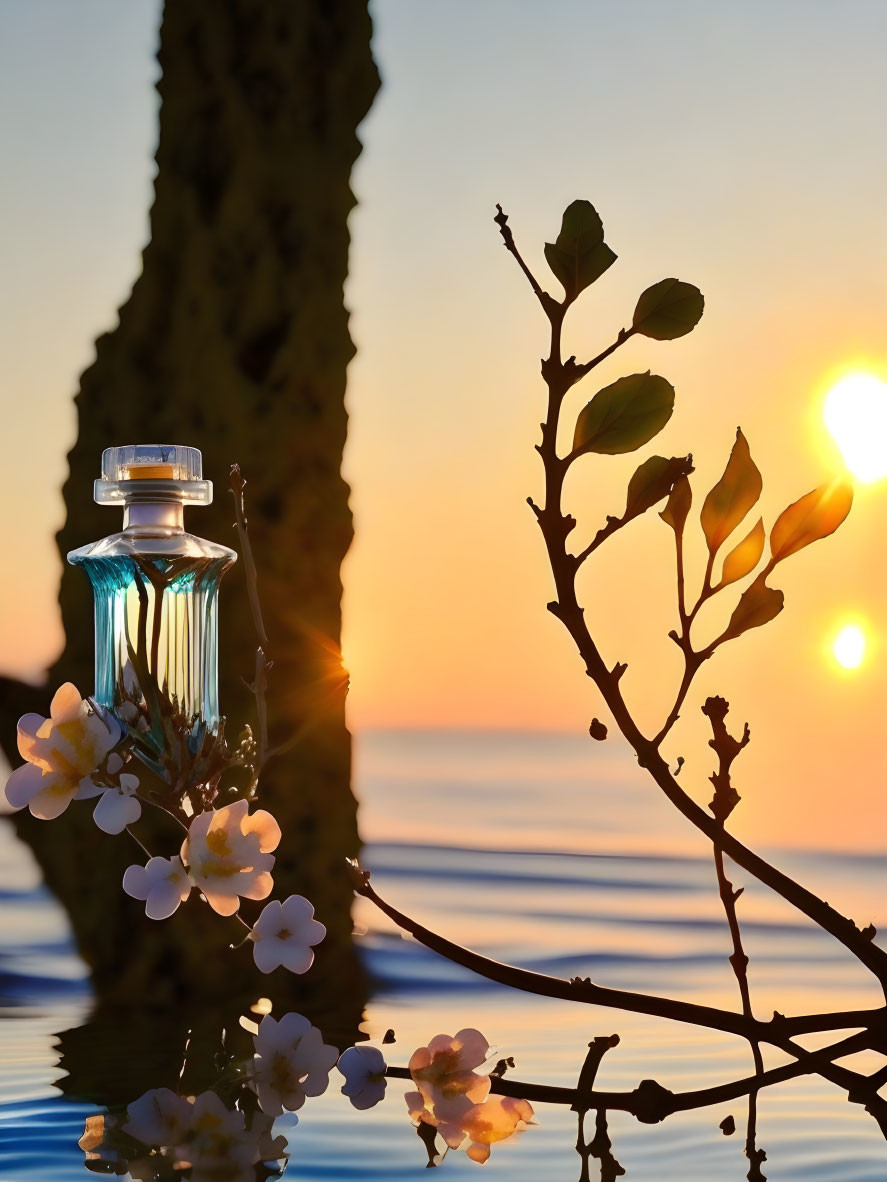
(548, 852)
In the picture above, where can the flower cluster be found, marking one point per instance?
(453, 1096)
(80, 751)
(212, 1138)
(197, 1133)
(228, 1138)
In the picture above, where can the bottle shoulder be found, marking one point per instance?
(152, 542)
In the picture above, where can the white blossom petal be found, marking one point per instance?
(53, 798)
(115, 811)
(135, 882)
(66, 703)
(24, 784)
(267, 955)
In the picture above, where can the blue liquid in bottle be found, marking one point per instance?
(155, 588)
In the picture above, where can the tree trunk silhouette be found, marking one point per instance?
(235, 340)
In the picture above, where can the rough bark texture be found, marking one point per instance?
(235, 339)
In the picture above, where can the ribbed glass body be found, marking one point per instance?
(156, 619)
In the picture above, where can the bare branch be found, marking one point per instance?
(550, 305)
(777, 1031)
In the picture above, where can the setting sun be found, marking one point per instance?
(849, 647)
(855, 414)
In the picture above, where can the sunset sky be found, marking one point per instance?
(737, 146)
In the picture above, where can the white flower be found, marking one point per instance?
(364, 1070)
(162, 885)
(227, 853)
(160, 1117)
(119, 807)
(291, 1062)
(283, 935)
(62, 753)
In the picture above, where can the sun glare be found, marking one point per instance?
(855, 414)
(849, 647)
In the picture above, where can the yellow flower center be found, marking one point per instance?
(212, 868)
(217, 842)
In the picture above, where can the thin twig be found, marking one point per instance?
(140, 844)
(263, 663)
(776, 1031)
(739, 964)
(501, 220)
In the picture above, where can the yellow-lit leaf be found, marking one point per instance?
(732, 497)
(624, 416)
(814, 516)
(679, 501)
(653, 481)
(743, 559)
(758, 604)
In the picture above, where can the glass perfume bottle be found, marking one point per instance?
(156, 592)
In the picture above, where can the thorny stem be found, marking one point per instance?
(263, 664)
(739, 963)
(555, 527)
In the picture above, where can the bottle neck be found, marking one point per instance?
(159, 514)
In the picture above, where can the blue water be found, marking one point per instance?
(549, 852)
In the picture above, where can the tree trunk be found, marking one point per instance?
(235, 340)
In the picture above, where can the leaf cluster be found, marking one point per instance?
(630, 412)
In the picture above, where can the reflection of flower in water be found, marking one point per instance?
(227, 853)
(160, 1117)
(62, 752)
(364, 1070)
(454, 1099)
(164, 1134)
(291, 1062)
(219, 1146)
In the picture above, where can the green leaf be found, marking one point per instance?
(624, 416)
(732, 496)
(653, 481)
(579, 256)
(758, 605)
(743, 559)
(679, 502)
(814, 516)
(667, 310)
